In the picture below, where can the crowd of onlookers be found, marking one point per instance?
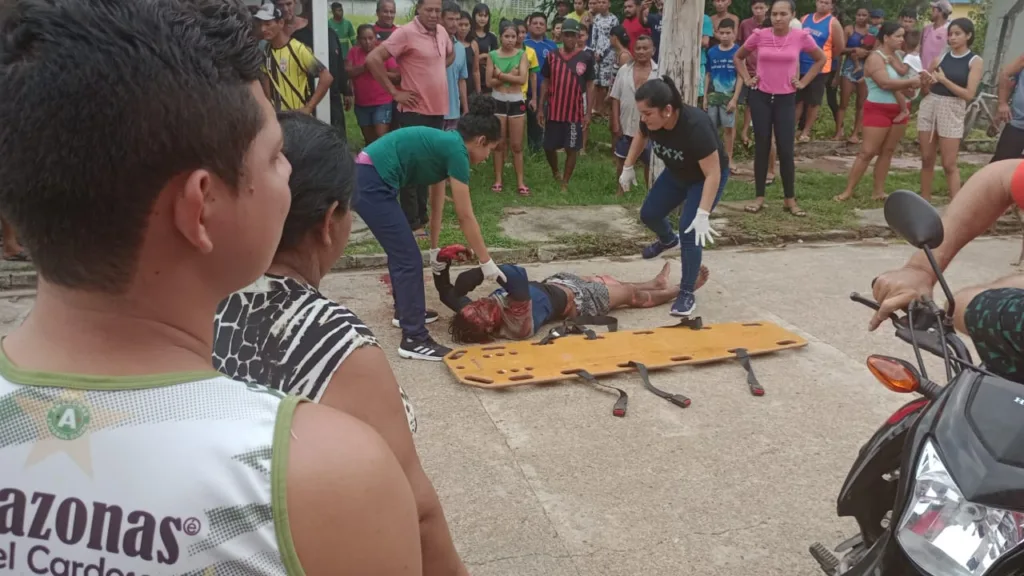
(184, 197)
(550, 75)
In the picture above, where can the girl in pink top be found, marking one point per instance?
(373, 102)
(772, 97)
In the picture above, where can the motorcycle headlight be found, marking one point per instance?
(943, 533)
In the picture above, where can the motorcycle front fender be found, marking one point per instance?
(866, 494)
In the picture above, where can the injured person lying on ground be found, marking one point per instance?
(521, 307)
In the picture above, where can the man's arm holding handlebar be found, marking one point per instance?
(982, 200)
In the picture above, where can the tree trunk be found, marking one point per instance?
(680, 53)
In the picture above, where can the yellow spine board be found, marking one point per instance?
(517, 363)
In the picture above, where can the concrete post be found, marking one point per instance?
(318, 20)
(680, 53)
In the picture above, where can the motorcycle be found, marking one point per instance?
(939, 488)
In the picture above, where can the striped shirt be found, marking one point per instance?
(565, 78)
(285, 334)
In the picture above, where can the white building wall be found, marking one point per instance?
(1005, 38)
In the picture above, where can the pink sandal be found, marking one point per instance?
(524, 191)
(496, 188)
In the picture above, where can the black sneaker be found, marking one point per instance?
(425, 349)
(430, 317)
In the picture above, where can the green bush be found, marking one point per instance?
(979, 15)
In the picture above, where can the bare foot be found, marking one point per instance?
(702, 277)
(661, 280)
(881, 196)
(843, 197)
(838, 137)
(853, 140)
(565, 186)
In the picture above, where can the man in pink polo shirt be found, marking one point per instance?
(934, 36)
(423, 51)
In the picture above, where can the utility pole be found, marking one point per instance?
(318, 20)
(680, 53)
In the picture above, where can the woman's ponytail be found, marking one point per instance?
(659, 93)
(677, 98)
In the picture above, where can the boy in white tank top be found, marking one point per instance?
(143, 170)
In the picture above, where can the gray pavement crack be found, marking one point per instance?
(529, 483)
(733, 529)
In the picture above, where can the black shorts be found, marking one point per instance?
(995, 322)
(1010, 145)
(812, 94)
(563, 135)
(509, 109)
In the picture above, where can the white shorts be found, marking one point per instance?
(943, 115)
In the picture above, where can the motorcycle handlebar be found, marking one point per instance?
(927, 339)
(871, 304)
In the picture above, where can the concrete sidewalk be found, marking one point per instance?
(543, 481)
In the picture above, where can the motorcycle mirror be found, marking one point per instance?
(913, 218)
(895, 374)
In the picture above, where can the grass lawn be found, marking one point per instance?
(594, 183)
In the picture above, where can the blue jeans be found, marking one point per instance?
(378, 205)
(665, 196)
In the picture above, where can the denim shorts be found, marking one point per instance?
(721, 118)
(373, 115)
(622, 145)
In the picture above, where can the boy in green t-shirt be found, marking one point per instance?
(343, 28)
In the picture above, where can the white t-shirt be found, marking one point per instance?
(624, 91)
(914, 61)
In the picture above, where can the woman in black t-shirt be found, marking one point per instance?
(465, 37)
(696, 170)
(485, 42)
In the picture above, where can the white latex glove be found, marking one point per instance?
(436, 266)
(628, 178)
(491, 271)
(701, 228)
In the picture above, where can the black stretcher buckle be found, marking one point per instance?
(621, 404)
(696, 323)
(677, 399)
(755, 387)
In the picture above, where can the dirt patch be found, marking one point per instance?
(537, 224)
(838, 164)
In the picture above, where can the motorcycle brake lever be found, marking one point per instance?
(872, 304)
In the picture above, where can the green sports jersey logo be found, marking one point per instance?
(68, 420)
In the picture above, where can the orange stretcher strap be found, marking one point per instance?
(518, 363)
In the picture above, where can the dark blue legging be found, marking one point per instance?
(378, 205)
(665, 196)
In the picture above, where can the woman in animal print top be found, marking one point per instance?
(282, 332)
